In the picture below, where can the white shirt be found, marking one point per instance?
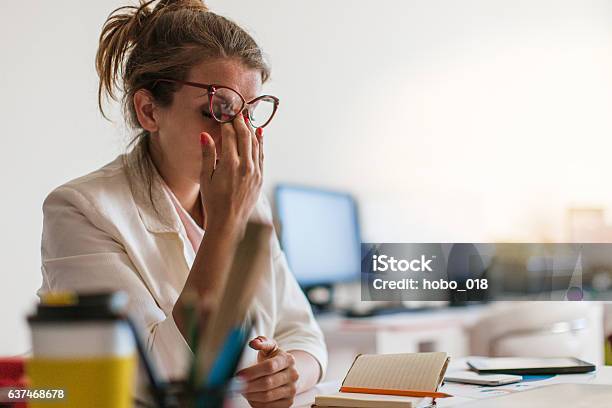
(102, 232)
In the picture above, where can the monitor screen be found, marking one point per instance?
(319, 233)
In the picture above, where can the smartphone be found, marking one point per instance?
(470, 377)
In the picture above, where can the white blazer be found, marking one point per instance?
(100, 233)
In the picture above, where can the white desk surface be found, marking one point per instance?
(462, 393)
(406, 321)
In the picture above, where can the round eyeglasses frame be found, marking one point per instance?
(211, 89)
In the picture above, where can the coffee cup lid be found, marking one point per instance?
(71, 306)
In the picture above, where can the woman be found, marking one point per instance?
(191, 82)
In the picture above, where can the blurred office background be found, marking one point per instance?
(449, 121)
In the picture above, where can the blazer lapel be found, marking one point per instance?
(154, 206)
(159, 217)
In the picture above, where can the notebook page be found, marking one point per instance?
(348, 399)
(410, 371)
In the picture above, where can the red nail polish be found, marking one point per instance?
(259, 132)
(203, 139)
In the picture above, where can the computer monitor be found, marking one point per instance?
(319, 232)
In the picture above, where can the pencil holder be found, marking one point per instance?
(180, 394)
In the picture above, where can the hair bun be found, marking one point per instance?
(178, 4)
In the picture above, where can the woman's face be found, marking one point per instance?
(180, 124)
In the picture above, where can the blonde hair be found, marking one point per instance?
(141, 44)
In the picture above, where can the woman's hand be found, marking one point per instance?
(231, 181)
(272, 382)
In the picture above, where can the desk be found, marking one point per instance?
(462, 392)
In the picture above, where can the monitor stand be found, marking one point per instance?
(320, 297)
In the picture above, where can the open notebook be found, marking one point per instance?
(373, 379)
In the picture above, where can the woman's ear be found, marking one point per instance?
(145, 107)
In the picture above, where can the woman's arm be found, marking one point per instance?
(204, 279)
(230, 184)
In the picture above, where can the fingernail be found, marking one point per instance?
(203, 139)
(259, 132)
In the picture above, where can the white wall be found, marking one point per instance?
(450, 120)
(496, 113)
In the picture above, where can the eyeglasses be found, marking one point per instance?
(225, 103)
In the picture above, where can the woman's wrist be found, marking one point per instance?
(226, 228)
(308, 368)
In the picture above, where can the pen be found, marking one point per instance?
(402, 393)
